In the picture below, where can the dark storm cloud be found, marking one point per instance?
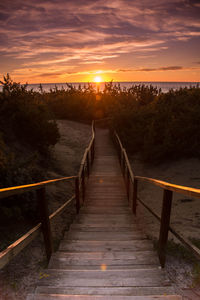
(61, 32)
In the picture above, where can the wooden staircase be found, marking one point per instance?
(104, 255)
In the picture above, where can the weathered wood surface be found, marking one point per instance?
(184, 190)
(105, 255)
(99, 297)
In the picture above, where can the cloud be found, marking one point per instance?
(60, 33)
(171, 68)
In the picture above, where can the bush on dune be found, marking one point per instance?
(27, 132)
(25, 115)
(166, 128)
(157, 125)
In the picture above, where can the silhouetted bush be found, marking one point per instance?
(157, 125)
(25, 115)
(27, 131)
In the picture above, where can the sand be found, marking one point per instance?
(185, 216)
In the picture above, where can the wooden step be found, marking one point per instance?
(102, 236)
(105, 210)
(109, 202)
(111, 291)
(100, 297)
(102, 222)
(103, 228)
(119, 278)
(89, 246)
(114, 217)
(109, 258)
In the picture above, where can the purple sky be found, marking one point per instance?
(74, 40)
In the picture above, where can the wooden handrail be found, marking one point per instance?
(12, 191)
(168, 189)
(185, 190)
(86, 162)
(40, 187)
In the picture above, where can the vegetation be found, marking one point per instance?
(157, 125)
(27, 131)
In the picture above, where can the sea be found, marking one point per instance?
(164, 86)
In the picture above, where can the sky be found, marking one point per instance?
(43, 41)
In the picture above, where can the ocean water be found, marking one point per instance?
(164, 86)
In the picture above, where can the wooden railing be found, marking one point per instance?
(46, 219)
(84, 171)
(132, 192)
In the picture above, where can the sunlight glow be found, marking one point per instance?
(103, 267)
(97, 79)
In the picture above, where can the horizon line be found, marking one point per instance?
(86, 82)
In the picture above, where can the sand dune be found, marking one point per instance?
(185, 210)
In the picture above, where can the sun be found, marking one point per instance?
(97, 79)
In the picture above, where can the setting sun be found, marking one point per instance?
(98, 79)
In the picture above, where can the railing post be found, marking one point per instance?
(123, 163)
(44, 216)
(88, 164)
(164, 227)
(121, 159)
(83, 184)
(134, 205)
(94, 125)
(77, 194)
(128, 184)
(92, 152)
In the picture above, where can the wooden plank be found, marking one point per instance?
(125, 216)
(101, 297)
(104, 255)
(103, 227)
(89, 264)
(106, 279)
(108, 203)
(105, 210)
(107, 222)
(101, 236)
(107, 259)
(102, 218)
(90, 246)
(111, 292)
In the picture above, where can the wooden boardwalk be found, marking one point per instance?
(104, 255)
